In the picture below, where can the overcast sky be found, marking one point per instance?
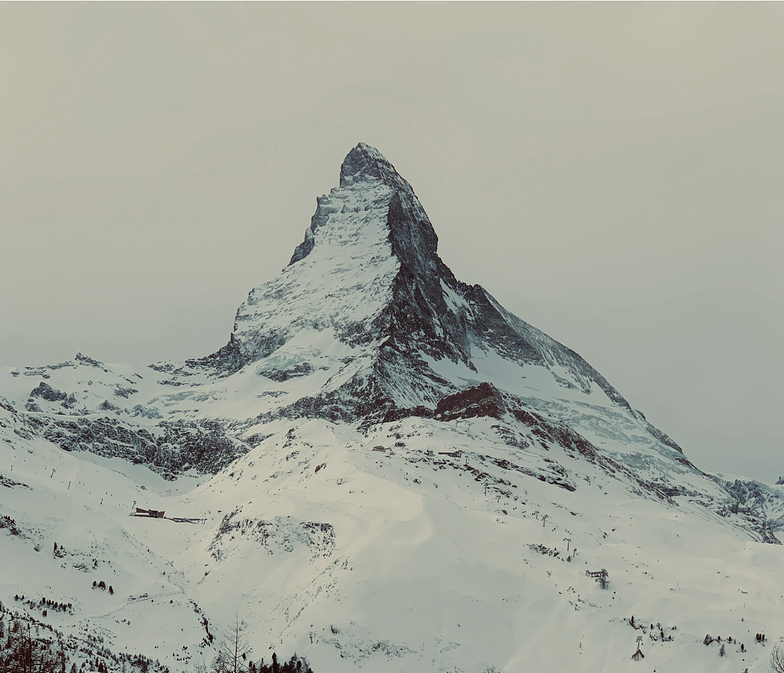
(612, 173)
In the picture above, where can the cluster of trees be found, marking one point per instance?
(663, 637)
(759, 637)
(105, 661)
(102, 585)
(234, 656)
(722, 649)
(9, 524)
(28, 646)
(294, 665)
(21, 651)
(45, 604)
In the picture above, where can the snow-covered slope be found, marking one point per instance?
(389, 471)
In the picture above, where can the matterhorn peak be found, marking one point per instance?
(365, 162)
(370, 321)
(370, 185)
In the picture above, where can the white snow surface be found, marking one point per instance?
(345, 280)
(388, 561)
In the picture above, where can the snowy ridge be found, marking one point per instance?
(383, 470)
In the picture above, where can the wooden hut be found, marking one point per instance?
(152, 513)
(601, 576)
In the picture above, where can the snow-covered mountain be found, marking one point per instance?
(389, 471)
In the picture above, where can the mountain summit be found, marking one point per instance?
(367, 282)
(365, 161)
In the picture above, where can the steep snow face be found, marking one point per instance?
(340, 286)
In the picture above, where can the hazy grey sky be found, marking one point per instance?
(612, 173)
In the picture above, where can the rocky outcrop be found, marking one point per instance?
(481, 400)
(168, 448)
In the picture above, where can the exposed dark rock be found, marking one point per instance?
(86, 360)
(394, 415)
(749, 493)
(365, 161)
(46, 392)
(481, 400)
(169, 448)
(282, 534)
(556, 475)
(761, 506)
(280, 375)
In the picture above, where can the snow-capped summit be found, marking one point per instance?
(365, 162)
(383, 314)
